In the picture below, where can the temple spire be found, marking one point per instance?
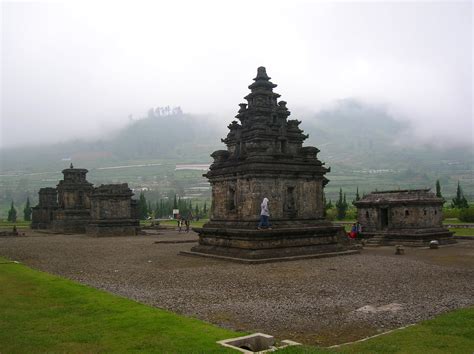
(262, 74)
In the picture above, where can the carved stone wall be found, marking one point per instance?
(403, 216)
(111, 211)
(42, 214)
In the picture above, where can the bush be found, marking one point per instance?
(467, 214)
(331, 214)
(351, 214)
(450, 213)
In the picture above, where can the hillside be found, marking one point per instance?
(364, 146)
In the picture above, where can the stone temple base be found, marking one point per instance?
(99, 228)
(258, 246)
(71, 221)
(409, 237)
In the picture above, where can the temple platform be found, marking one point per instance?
(272, 245)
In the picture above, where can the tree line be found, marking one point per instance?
(163, 208)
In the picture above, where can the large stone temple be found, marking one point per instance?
(265, 158)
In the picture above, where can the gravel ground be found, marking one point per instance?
(318, 301)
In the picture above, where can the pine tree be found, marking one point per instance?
(196, 210)
(142, 207)
(327, 205)
(438, 189)
(175, 203)
(12, 213)
(341, 205)
(204, 209)
(357, 197)
(27, 210)
(460, 201)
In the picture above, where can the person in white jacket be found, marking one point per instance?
(264, 215)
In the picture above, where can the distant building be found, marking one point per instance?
(75, 206)
(42, 214)
(410, 217)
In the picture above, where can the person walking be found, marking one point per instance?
(264, 215)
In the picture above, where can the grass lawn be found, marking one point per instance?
(462, 231)
(19, 224)
(449, 333)
(44, 313)
(451, 221)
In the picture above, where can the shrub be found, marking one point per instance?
(331, 214)
(467, 214)
(450, 213)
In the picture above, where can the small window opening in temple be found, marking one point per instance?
(424, 211)
(436, 212)
(407, 213)
(290, 198)
(274, 118)
(367, 214)
(283, 146)
(80, 198)
(231, 199)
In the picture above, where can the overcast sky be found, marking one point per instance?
(69, 69)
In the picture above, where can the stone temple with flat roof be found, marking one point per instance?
(265, 157)
(411, 217)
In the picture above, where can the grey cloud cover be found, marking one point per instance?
(71, 69)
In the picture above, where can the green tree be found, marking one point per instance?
(12, 213)
(341, 205)
(27, 210)
(142, 207)
(460, 201)
(438, 189)
(196, 210)
(175, 203)
(204, 209)
(357, 197)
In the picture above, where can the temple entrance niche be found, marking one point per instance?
(265, 158)
(384, 218)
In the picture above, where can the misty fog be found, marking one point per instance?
(80, 69)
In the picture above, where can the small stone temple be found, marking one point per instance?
(111, 211)
(75, 206)
(265, 157)
(42, 214)
(74, 193)
(408, 217)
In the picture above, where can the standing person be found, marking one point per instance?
(353, 233)
(359, 229)
(264, 215)
(187, 221)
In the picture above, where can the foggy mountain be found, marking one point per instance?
(349, 134)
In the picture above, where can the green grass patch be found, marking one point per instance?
(18, 224)
(452, 221)
(463, 231)
(449, 333)
(40, 312)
